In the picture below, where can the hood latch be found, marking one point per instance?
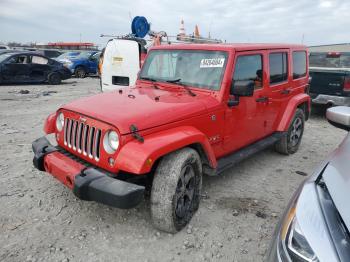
(134, 132)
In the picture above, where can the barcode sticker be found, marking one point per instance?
(212, 62)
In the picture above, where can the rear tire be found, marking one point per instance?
(176, 189)
(54, 79)
(289, 144)
(80, 72)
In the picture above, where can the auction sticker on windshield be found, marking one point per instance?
(212, 62)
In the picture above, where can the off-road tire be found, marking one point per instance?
(80, 72)
(289, 144)
(167, 191)
(54, 79)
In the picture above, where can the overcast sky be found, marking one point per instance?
(320, 21)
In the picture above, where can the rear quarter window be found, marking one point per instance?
(299, 64)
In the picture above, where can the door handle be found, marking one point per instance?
(262, 99)
(285, 91)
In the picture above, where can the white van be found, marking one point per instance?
(121, 62)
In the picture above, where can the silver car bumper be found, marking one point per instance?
(331, 100)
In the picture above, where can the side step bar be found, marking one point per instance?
(232, 159)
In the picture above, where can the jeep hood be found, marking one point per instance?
(144, 107)
(337, 179)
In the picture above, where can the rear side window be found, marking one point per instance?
(299, 64)
(249, 67)
(39, 60)
(278, 67)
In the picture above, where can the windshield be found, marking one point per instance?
(203, 69)
(84, 55)
(68, 54)
(330, 60)
(4, 56)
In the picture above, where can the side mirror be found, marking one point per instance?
(339, 116)
(242, 88)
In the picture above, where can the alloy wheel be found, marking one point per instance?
(185, 191)
(296, 131)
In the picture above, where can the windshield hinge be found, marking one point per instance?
(134, 132)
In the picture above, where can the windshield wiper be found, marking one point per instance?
(178, 81)
(150, 79)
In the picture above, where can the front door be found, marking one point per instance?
(16, 69)
(93, 61)
(246, 122)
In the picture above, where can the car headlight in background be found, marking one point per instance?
(111, 142)
(60, 121)
(293, 244)
(297, 245)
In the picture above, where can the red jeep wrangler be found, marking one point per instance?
(195, 109)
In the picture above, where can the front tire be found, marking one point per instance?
(176, 189)
(289, 144)
(80, 72)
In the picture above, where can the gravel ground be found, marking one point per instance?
(41, 220)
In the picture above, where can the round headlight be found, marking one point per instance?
(60, 121)
(111, 142)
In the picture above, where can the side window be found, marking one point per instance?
(299, 64)
(95, 57)
(20, 59)
(39, 60)
(278, 67)
(249, 67)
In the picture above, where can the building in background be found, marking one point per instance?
(345, 47)
(68, 46)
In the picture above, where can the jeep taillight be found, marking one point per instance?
(346, 87)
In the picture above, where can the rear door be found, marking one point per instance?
(279, 86)
(39, 68)
(16, 69)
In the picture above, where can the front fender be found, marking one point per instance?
(290, 110)
(50, 125)
(138, 158)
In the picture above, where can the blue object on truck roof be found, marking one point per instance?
(139, 26)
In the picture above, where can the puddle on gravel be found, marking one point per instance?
(244, 205)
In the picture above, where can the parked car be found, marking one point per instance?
(81, 65)
(29, 67)
(316, 224)
(195, 109)
(330, 78)
(4, 47)
(50, 53)
(68, 55)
